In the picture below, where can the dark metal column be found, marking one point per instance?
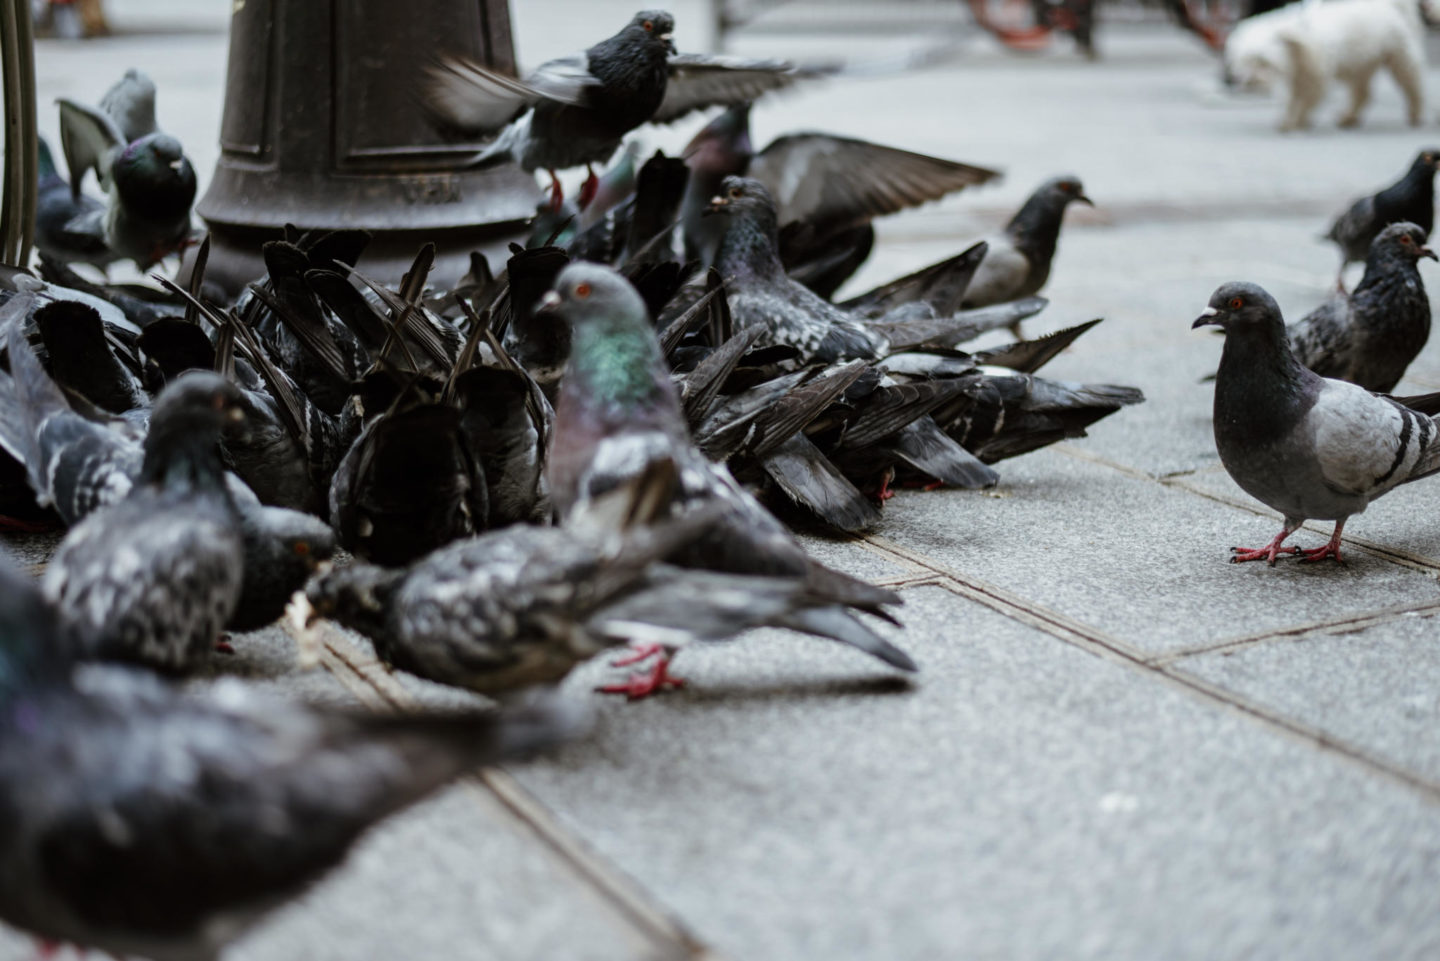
(321, 129)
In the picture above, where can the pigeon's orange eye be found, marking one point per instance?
(1405, 240)
(736, 192)
(301, 548)
(1236, 303)
(649, 26)
(582, 291)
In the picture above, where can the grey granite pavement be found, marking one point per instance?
(1119, 746)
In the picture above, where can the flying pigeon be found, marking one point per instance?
(142, 820)
(1306, 445)
(575, 110)
(1370, 336)
(148, 180)
(1411, 199)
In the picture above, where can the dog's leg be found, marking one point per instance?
(1359, 96)
(1307, 83)
(1407, 71)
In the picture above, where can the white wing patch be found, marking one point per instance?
(1364, 445)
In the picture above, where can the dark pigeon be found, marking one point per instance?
(149, 182)
(283, 549)
(1018, 261)
(619, 413)
(830, 186)
(141, 820)
(575, 110)
(1411, 199)
(156, 576)
(1370, 336)
(1307, 446)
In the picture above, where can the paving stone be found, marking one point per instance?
(1023, 799)
(1373, 687)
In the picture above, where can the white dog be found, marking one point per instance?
(1310, 43)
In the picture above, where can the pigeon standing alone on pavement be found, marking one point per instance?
(1411, 198)
(575, 110)
(148, 179)
(154, 577)
(141, 820)
(1018, 262)
(1306, 445)
(1370, 336)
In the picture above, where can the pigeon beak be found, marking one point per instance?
(717, 205)
(1206, 319)
(177, 165)
(549, 303)
(1427, 252)
(1082, 199)
(235, 415)
(669, 42)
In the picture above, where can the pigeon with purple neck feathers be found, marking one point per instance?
(149, 182)
(1411, 199)
(575, 110)
(618, 414)
(145, 821)
(1307, 446)
(1370, 336)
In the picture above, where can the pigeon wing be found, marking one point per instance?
(472, 98)
(90, 139)
(840, 181)
(698, 81)
(1364, 444)
(131, 104)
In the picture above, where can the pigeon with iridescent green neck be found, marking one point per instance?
(618, 414)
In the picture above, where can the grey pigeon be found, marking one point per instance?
(618, 413)
(575, 110)
(1370, 336)
(522, 606)
(1411, 198)
(140, 820)
(148, 180)
(1018, 261)
(68, 227)
(1306, 445)
(155, 576)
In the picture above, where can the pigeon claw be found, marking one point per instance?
(588, 189)
(557, 195)
(653, 681)
(638, 653)
(1320, 553)
(1267, 553)
(223, 647)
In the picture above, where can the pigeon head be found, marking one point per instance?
(589, 295)
(1062, 191)
(154, 178)
(357, 597)
(744, 197)
(653, 28)
(1240, 306)
(1403, 241)
(1035, 228)
(750, 244)
(185, 427)
(292, 544)
(1426, 162)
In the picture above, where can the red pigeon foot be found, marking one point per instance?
(638, 653)
(657, 679)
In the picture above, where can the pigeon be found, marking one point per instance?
(143, 820)
(1370, 336)
(1307, 446)
(618, 413)
(1411, 198)
(520, 607)
(831, 185)
(760, 293)
(1017, 263)
(575, 110)
(148, 180)
(68, 227)
(283, 549)
(155, 576)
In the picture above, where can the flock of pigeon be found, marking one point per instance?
(605, 442)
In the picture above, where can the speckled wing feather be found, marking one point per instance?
(1323, 339)
(841, 181)
(698, 81)
(1364, 445)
